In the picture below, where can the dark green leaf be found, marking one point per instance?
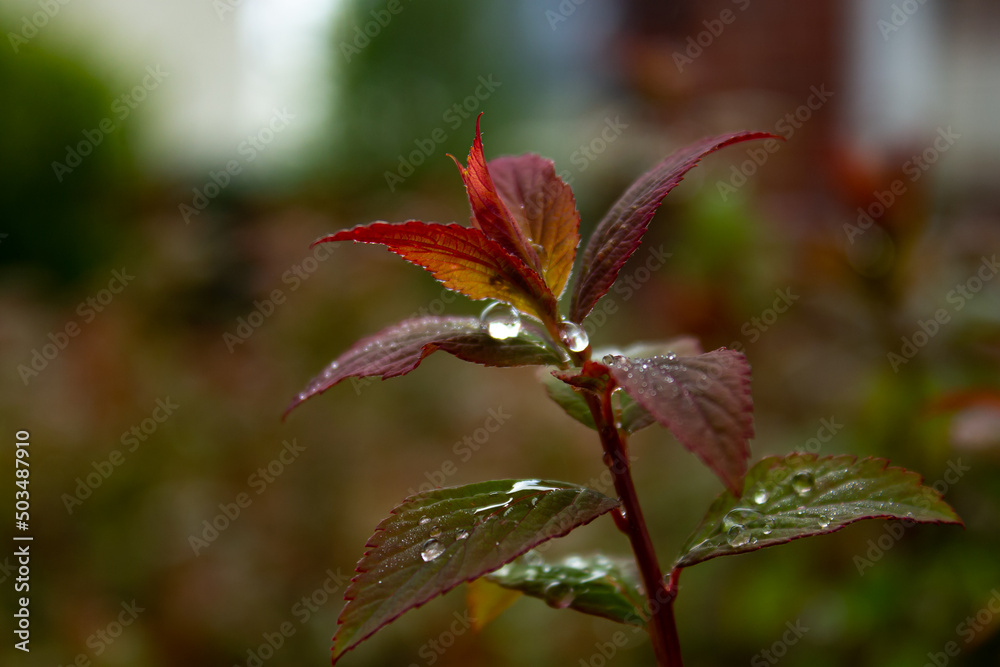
(594, 585)
(439, 539)
(569, 399)
(801, 495)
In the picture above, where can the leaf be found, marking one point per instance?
(462, 259)
(567, 398)
(632, 415)
(399, 349)
(620, 232)
(593, 585)
(800, 495)
(489, 212)
(439, 539)
(704, 401)
(543, 206)
(486, 601)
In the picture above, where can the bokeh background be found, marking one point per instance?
(164, 167)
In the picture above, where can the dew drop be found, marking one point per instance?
(436, 531)
(739, 517)
(824, 521)
(462, 535)
(543, 255)
(425, 520)
(431, 550)
(768, 526)
(533, 558)
(802, 483)
(737, 535)
(760, 496)
(500, 320)
(574, 336)
(558, 595)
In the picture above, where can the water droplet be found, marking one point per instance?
(760, 496)
(802, 483)
(436, 531)
(532, 558)
(768, 526)
(737, 536)
(558, 595)
(501, 321)
(824, 521)
(425, 520)
(539, 249)
(431, 550)
(462, 535)
(530, 485)
(575, 562)
(574, 336)
(739, 517)
(492, 507)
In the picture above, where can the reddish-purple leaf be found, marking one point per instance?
(463, 259)
(543, 206)
(400, 348)
(704, 400)
(489, 212)
(800, 495)
(436, 540)
(620, 232)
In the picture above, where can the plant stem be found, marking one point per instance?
(661, 624)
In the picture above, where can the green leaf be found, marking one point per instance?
(594, 585)
(439, 539)
(569, 399)
(801, 495)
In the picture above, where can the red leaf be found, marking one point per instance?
(463, 259)
(543, 206)
(489, 213)
(704, 401)
(400, 348)
(618, 235)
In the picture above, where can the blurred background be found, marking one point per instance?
(164, 167)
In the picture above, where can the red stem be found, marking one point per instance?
(660, 597)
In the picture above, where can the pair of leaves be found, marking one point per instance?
(439, 539)
(522, 243)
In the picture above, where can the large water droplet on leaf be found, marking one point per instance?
(462, 535)
(558, 595)
(737, 535)
(824, 521)
(500, 320)
(760, 496)
(802, 483)
(574, 336)
(431, 550)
